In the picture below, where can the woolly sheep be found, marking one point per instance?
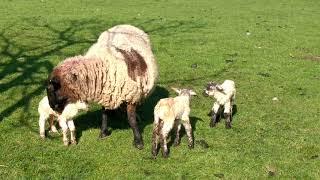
(118, 69)
(224, 95)
(169, 113)
(64, 119)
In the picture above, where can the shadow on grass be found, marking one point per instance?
(26, 47)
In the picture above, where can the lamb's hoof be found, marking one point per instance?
(154, 156)
(176, 143)
(228, 125)
(165, 155)
(66, 143)
(42, 136)
(139, 145)
(104, 134)
(54, 130)
(73, 142)
(191, 146)
(212, 125)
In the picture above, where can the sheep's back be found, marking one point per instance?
(131, 67)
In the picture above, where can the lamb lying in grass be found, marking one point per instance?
(224, 94)
(169, 113)
(64, 119)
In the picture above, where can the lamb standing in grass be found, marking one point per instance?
(169, 113)
(64, 119)
(224, 94)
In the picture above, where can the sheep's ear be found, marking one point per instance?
(176, 90)
(219, 88)
(192, 93)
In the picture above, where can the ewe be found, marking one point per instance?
(118, 69)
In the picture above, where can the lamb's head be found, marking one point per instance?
(56, 101)
(184, 92)
(212, 88)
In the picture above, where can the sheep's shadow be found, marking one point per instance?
(117, 119)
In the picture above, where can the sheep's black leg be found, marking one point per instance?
(104, 125)
(131, 112)
(228, 120)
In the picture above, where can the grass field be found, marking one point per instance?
(270, 48)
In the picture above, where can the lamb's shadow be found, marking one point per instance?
(117, 119)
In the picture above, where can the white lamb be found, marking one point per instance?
(64, 119)
(224, 94)
(169, 113)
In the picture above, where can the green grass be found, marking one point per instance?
(280, 58)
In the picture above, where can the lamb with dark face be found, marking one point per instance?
(224, 95)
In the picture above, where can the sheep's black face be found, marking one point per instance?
(56, 101)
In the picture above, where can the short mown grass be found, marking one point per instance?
(270, 48)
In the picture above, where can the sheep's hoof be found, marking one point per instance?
(191, 146)
(104, 134)
(139, 145)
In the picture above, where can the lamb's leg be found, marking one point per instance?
(64, 127)
(214, 115)
(104, 125)
(157, 127)
(72, 131)
(178, 127)
(163, 138)
(131, 112)
(188, 128)
(228, 114)
(52, 126)
(42, 124)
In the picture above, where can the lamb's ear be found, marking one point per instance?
(219, 88)
(192, 93)
(176, 90)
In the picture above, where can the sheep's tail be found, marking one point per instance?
(157, 127)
